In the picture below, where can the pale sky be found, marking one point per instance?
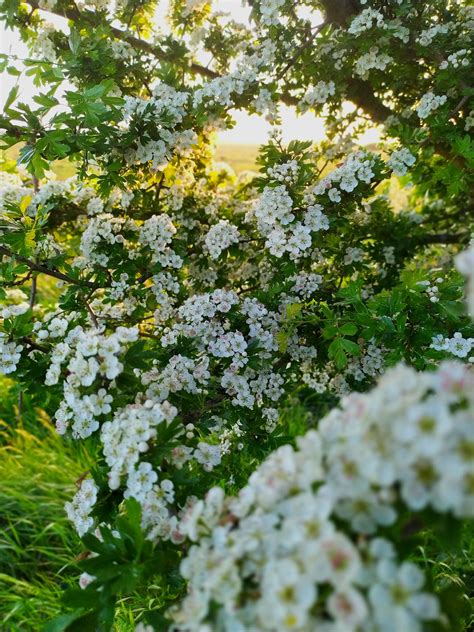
(250, 129)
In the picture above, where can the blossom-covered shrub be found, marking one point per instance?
(197, 320)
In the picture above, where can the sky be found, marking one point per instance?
(249, 129)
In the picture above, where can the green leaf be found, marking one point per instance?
(13, 71)
(387, 321)
(38, 165)
(350, 347)
(282, 339)
(45, 100)
(137, 357)
(349, 329)
(12, 95)
(74, 41)
(60, 624)
(340, 359)
(330, 332)
(293, 310)
(336, 352)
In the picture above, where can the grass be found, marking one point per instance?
(37, 543)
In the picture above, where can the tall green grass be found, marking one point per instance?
(37, 543)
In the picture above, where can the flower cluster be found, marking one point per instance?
(286, 172)
(375, 59)
(353, 255)
(10, 354)
(102, 230)
(277, 219)
(12, 189)
(274, 214)
(428, 35)
(357, 168)
(68, 191)
(202, 318)
(305, 284)
(87, 356)
(400, 161)
(272, 558)
(459, 58)
(79, 509)
(367, 19)
(168, 107)
(269, 11)
(430, 102)
(320, 93)
(431, 290)
(221, 236)
(156, 233)
(43, 46)
(457, 345)
(369, 364)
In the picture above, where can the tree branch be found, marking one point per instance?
(361, 94)
(138, 44)
(143, 45)
(299, 50)
(444, 238)
(35, 345)
(44, 270)
(64, 214)
(338, 12)
(91, 314)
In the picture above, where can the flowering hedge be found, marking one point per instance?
(205, 323)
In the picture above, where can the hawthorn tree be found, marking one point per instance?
(204, 323)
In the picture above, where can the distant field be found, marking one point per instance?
(239, 157)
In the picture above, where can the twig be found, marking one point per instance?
(91, 313)
(145, 276)
(33, 292)
(35, 345)
(299, 50)
(159, 187)
(462, 102)
(48, 271)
